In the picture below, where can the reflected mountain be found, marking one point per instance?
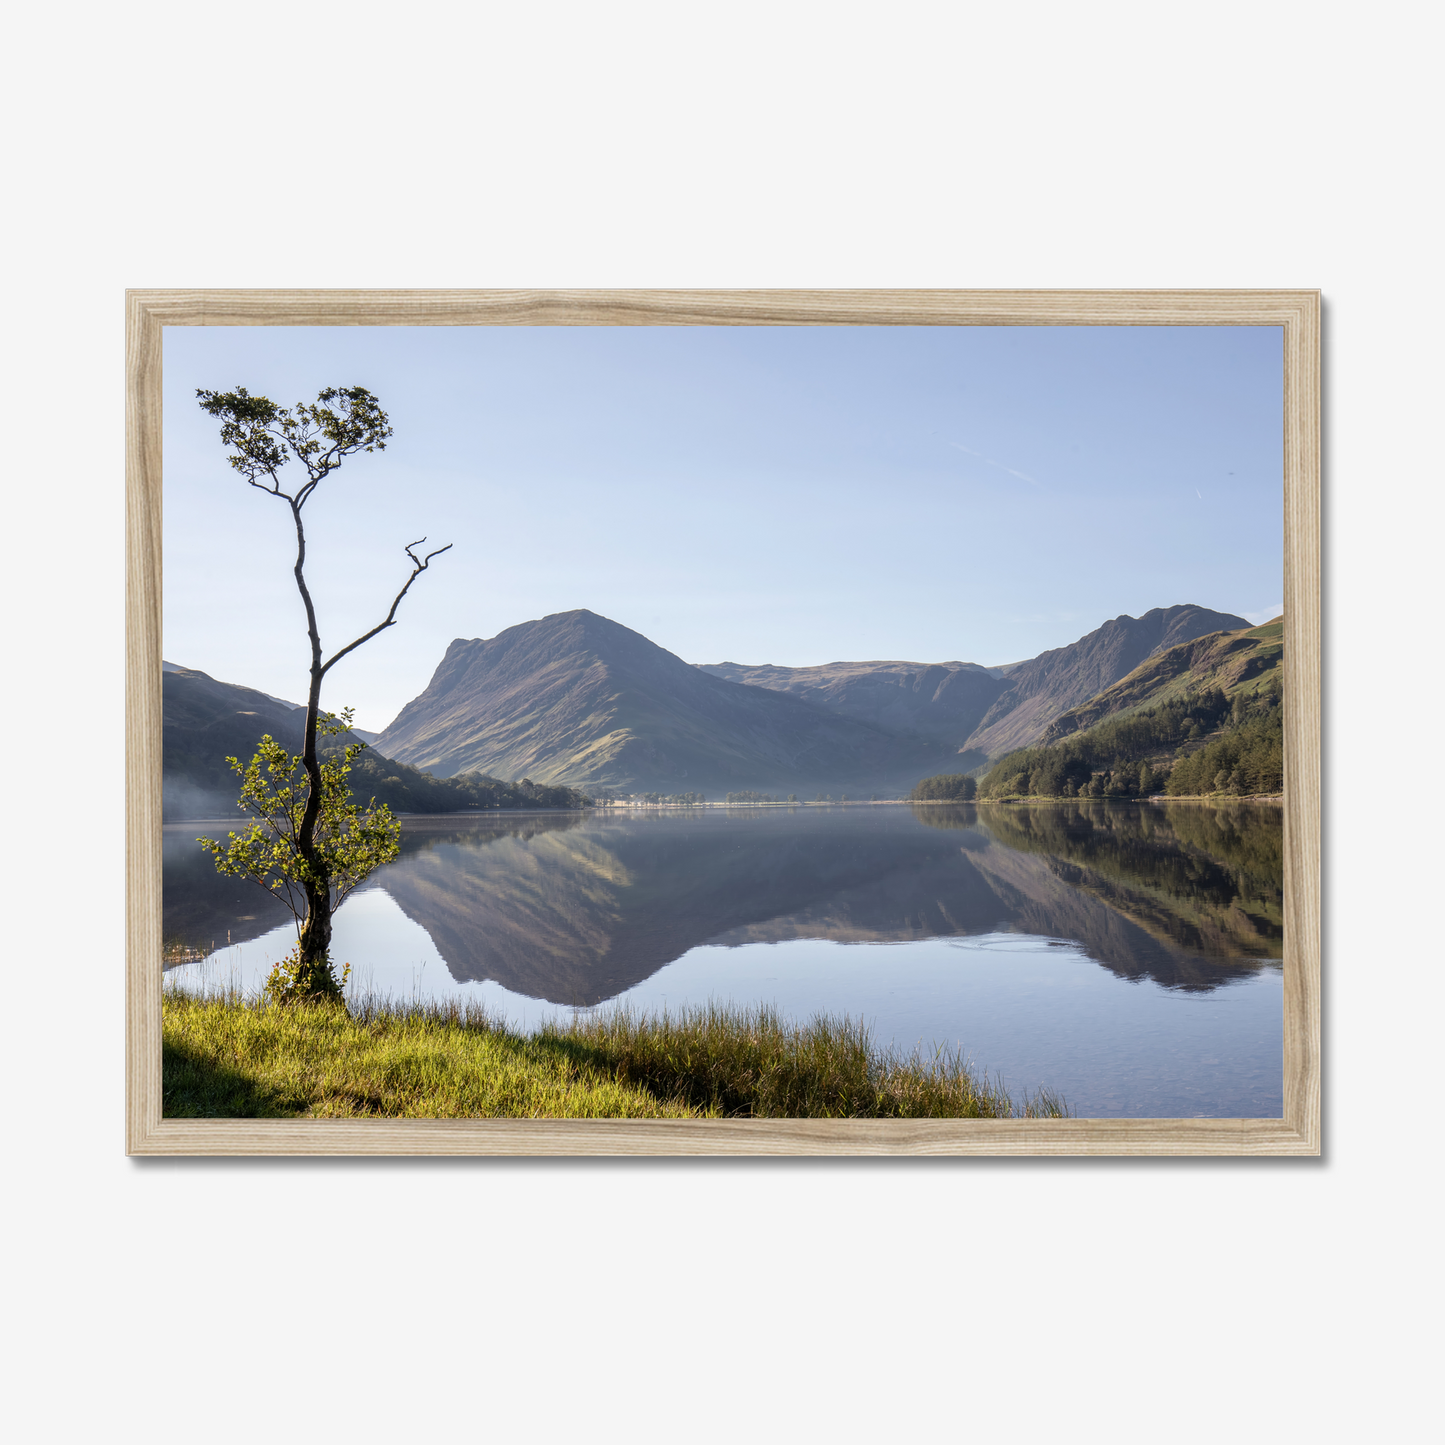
(1201, 880)
(577, 910)
(203, 909)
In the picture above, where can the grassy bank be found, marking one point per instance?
(228, 1057)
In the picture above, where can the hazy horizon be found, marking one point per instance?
(783, 495)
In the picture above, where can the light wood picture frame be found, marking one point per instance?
(1295, 312)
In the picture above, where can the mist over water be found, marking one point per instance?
(1124, 954)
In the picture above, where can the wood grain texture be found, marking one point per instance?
(1296, 312)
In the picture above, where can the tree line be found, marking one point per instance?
(945, 788)
(406, 789)
(1203, 743)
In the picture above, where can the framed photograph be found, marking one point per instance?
(737, 722)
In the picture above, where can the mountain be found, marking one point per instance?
(944, 701)
(576, 698)
(1237, 663)
(203, 722)
(1045, 687)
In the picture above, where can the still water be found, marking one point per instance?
(1126, 955)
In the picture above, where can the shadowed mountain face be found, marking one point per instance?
(575, 698)
(1040, 690)
(203, 722)
(575, 911)
(942, 701)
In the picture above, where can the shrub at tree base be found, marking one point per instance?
(294, 980)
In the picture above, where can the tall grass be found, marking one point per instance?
(752, 1062)
(229, 1055)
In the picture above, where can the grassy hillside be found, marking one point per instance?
(1203, 717)
(1196, 744)
(1241, 663)
(1040, 690)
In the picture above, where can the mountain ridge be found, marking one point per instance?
(942, 701)
(577, 698)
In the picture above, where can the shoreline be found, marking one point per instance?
(1274, 799)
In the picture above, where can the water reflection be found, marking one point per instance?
(575, 909)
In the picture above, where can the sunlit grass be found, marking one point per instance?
(237, 1058)
(226, 1055)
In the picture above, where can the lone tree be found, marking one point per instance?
(308, 851)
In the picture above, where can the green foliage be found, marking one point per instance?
(1248, 759)
(348, 843)
(945, 788)
(344, 420)
(406, 789)
(747, 795)
(296, 978)
(1143, 752)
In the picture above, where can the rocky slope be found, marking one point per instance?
(576, 698)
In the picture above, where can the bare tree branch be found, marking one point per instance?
(419, 565)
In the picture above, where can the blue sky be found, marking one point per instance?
(790, 495)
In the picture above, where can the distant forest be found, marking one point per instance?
(945, 788)
(1204, 743)
(405, 789)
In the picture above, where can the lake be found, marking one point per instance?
(1126, 955)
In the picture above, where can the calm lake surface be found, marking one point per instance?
(1126, 955)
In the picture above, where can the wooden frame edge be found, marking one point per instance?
(561, 1138)
(1297, 1133)
(143, 720)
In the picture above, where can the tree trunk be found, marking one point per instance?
(315, 942)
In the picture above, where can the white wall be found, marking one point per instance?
(660, 145)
